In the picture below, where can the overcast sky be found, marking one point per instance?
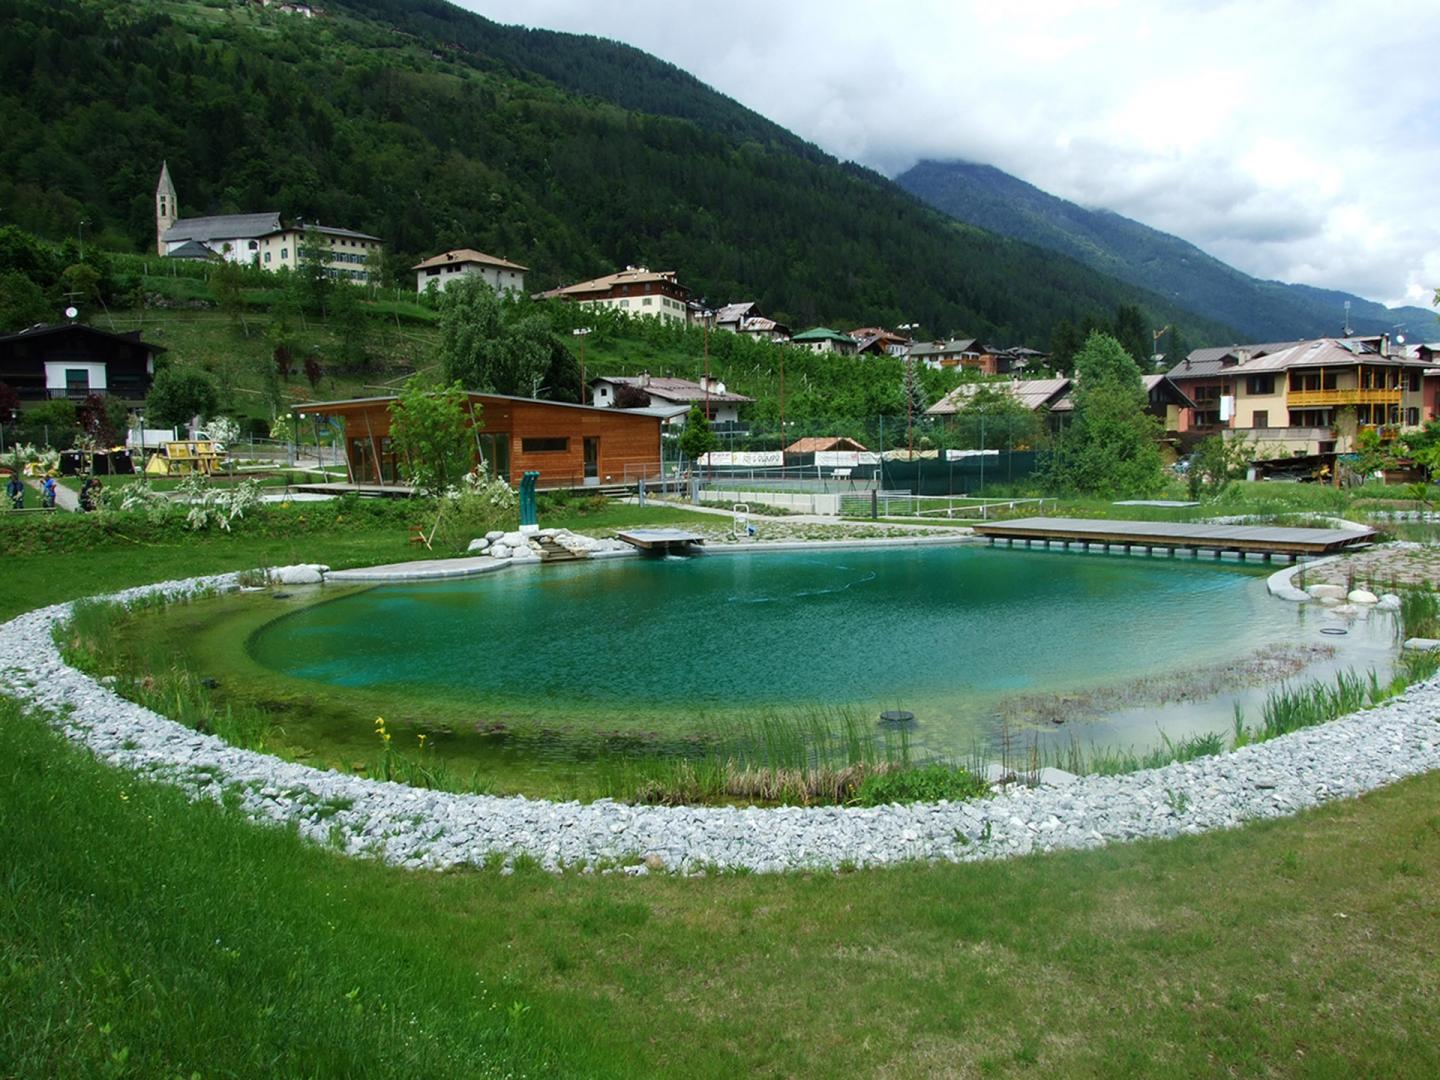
(1294, 139)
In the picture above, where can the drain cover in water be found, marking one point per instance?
(897, 716)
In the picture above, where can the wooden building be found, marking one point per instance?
(570, 446)
(72, 360)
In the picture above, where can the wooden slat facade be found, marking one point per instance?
(518, 434)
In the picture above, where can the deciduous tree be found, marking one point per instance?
(431, 429)
(1112, 447)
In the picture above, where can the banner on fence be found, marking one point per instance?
(961, 455)
(750, 458)
(831, 459)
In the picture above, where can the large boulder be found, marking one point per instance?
(299, 574)
(1388, 602)
(514, 539)
(1362, 596)
(494, 534)
(1327, 592)
(499, 550)
(478, 546)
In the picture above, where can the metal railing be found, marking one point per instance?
(892, 504)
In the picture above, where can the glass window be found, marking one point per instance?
(284, 253)
(1262, 418)
(267, 256)
(545, 446)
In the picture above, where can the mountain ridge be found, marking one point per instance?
(987, 197)
(435, 128)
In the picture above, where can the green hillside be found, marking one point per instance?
(983, 196)
(435, 128)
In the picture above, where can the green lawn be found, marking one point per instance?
(142, 936)
(34, 580)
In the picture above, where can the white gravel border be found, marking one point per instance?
(426, 829)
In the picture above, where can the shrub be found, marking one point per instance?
(926, 783)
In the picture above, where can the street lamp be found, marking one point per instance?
(581, 333)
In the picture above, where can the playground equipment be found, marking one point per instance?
(185, 457)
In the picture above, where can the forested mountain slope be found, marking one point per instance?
(984, 196)
(435, 128)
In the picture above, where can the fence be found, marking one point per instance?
(893, 504)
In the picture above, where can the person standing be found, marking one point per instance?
(15, 490)
(47, 493)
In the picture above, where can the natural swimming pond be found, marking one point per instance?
(538, 669)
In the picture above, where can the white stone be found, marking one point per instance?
(494, 534)
(299, 574)
(478, 545)
(1422, 644)
(1362, 596)
(1326, 592)
(1388, 602)
(512, 539)
(499, 550)
(1053, 777)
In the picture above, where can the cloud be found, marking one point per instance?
(1293, 139)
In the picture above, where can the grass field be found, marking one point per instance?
(142, 936)
(146, 937)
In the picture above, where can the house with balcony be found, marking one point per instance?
(969, 353)
(72, 360)
(636, 290)
(1303, 397)
(821, 339)
(672, 396)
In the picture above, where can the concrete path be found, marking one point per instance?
(421, 570)
(65, 499)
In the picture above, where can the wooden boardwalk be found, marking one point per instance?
(1172, 536)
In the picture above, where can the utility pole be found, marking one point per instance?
(909, 393)
(581, 333)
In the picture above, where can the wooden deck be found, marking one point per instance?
(1265, 540)
(660, 539)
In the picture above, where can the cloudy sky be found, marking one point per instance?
(1294, 139)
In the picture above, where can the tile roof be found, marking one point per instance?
(822, 444)
(223, 227)
(671, 389)
(941, 348)
(467, 255)
(631, 275)
(1032, 393)
(735, 312)
(1281, 356)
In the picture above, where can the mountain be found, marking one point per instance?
(983, 196)
(435, 128)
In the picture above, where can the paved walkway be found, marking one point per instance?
(65, 499)
(421, 570)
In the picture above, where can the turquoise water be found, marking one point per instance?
(946, 632)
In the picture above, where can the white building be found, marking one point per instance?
(636, 290)
(348, 252)
(722, 406)
(500, 274)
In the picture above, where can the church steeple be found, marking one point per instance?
(167, 209)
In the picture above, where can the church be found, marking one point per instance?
(259, 239)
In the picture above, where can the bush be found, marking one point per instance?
(927, 783)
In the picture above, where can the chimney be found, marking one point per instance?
(644, 379)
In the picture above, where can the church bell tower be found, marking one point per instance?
(166, 207)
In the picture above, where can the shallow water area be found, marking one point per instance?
(563, 663)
